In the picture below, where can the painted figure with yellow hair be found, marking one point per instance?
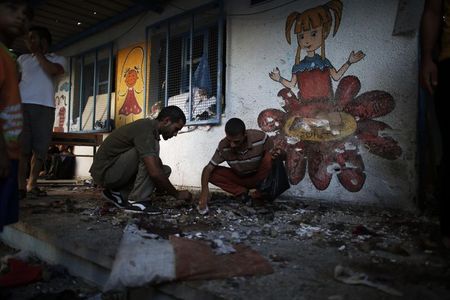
(320, 130)
(129, 85)
(313, 73)
(130, 105)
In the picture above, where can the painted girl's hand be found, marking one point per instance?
(355, 57)
(275, 75)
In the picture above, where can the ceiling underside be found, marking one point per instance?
(70, 21)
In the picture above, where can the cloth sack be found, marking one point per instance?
(144, 258)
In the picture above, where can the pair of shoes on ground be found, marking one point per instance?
(143, 207)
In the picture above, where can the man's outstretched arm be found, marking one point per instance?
(204, 194)
(157, 175)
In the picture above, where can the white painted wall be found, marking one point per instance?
(256, 44)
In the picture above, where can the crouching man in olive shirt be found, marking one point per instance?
(127, 164)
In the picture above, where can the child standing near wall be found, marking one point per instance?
(14, 19)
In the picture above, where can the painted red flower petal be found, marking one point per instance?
(318, 162)
(371, 105)
(351, 175)
(271, 119)
(352, 179)
(383, 146)
(296, 163)
(347, 89)
(290, 99)
(372, 127)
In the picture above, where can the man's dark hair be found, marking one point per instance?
(234, 127)
(30, 7)
(43, 33)
(173, 112)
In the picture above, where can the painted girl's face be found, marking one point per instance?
(131, 78)
(310, 40)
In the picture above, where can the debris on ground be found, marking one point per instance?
(307, 243)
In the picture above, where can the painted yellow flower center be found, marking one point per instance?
(322, 128)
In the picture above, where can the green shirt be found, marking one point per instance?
(141, 135)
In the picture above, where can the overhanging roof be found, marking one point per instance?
(70, 21)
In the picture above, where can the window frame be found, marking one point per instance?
(96, 83)
(189, 35)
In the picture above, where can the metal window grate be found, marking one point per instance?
(90, 97)
(186, 65)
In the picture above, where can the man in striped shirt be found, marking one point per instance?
(249, 155)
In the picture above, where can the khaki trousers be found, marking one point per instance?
(129, 176)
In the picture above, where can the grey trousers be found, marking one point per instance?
(129, 176)
(37, 130)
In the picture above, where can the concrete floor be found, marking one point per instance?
(379, 253)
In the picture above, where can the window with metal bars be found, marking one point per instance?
(186, 65)
(92, 86)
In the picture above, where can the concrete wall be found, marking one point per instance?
(256, 44)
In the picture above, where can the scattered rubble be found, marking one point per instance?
(316, 249)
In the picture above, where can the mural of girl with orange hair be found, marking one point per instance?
(312, 74)
(130, 85)
(130, 105)
(322, 131)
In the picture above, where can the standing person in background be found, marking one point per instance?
(37, 89)
(14, 18)
(435, 67)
